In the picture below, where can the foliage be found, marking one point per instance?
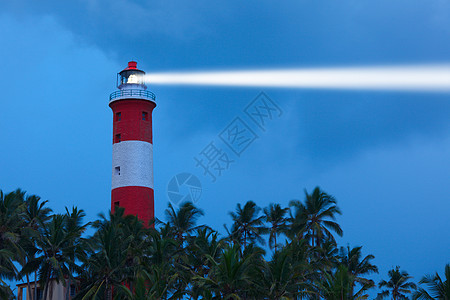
(437, 288)
(398, 285)
(313, 219)
(177, 258)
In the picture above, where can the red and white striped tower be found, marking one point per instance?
(132, 155)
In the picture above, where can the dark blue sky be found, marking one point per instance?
(383, 155)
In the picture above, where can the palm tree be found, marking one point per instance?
(230, 277)
(5, 291)
(247, 225)
(26, 254)
(314, 219)
(201, 247)
(53, 263)
(7, 271)
(178, 229)
(116, 254)
(74, 249)
(11, 213)
(357, 266)
(148, 286)
(397, 286)
(105, 266)
(325, 257)
(21, 218)
(338, 286)
(204, 244)
(284, 276)
(11, 223)
(35, 211)
(35, 215)
(274, 214)
(184, 220)
(164, 266)
(437, 288)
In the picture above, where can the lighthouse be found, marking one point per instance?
(132, 154)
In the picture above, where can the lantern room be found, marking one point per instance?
(131, 77)
(131, 84)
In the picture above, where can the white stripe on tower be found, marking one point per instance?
(132, 164)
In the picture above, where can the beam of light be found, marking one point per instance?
(401, 78)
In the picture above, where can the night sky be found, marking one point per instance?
(385, 156)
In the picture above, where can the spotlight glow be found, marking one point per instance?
(401, 78)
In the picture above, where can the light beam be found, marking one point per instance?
(402, 78)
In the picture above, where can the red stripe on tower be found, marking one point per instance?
(132, 156)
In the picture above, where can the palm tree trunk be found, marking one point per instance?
(35, 286)
(275, 242)
(68, 296)
(245, 239)
(46, 289)
(28, 286)
(68, 289)
(108, 291)
(51, 291)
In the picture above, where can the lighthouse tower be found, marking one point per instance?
(132, 155)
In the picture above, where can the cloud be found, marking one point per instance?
(204, 34)
(56, 114)
(322, 128)
(110, 23)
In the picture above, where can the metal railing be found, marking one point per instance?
(132, 93)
